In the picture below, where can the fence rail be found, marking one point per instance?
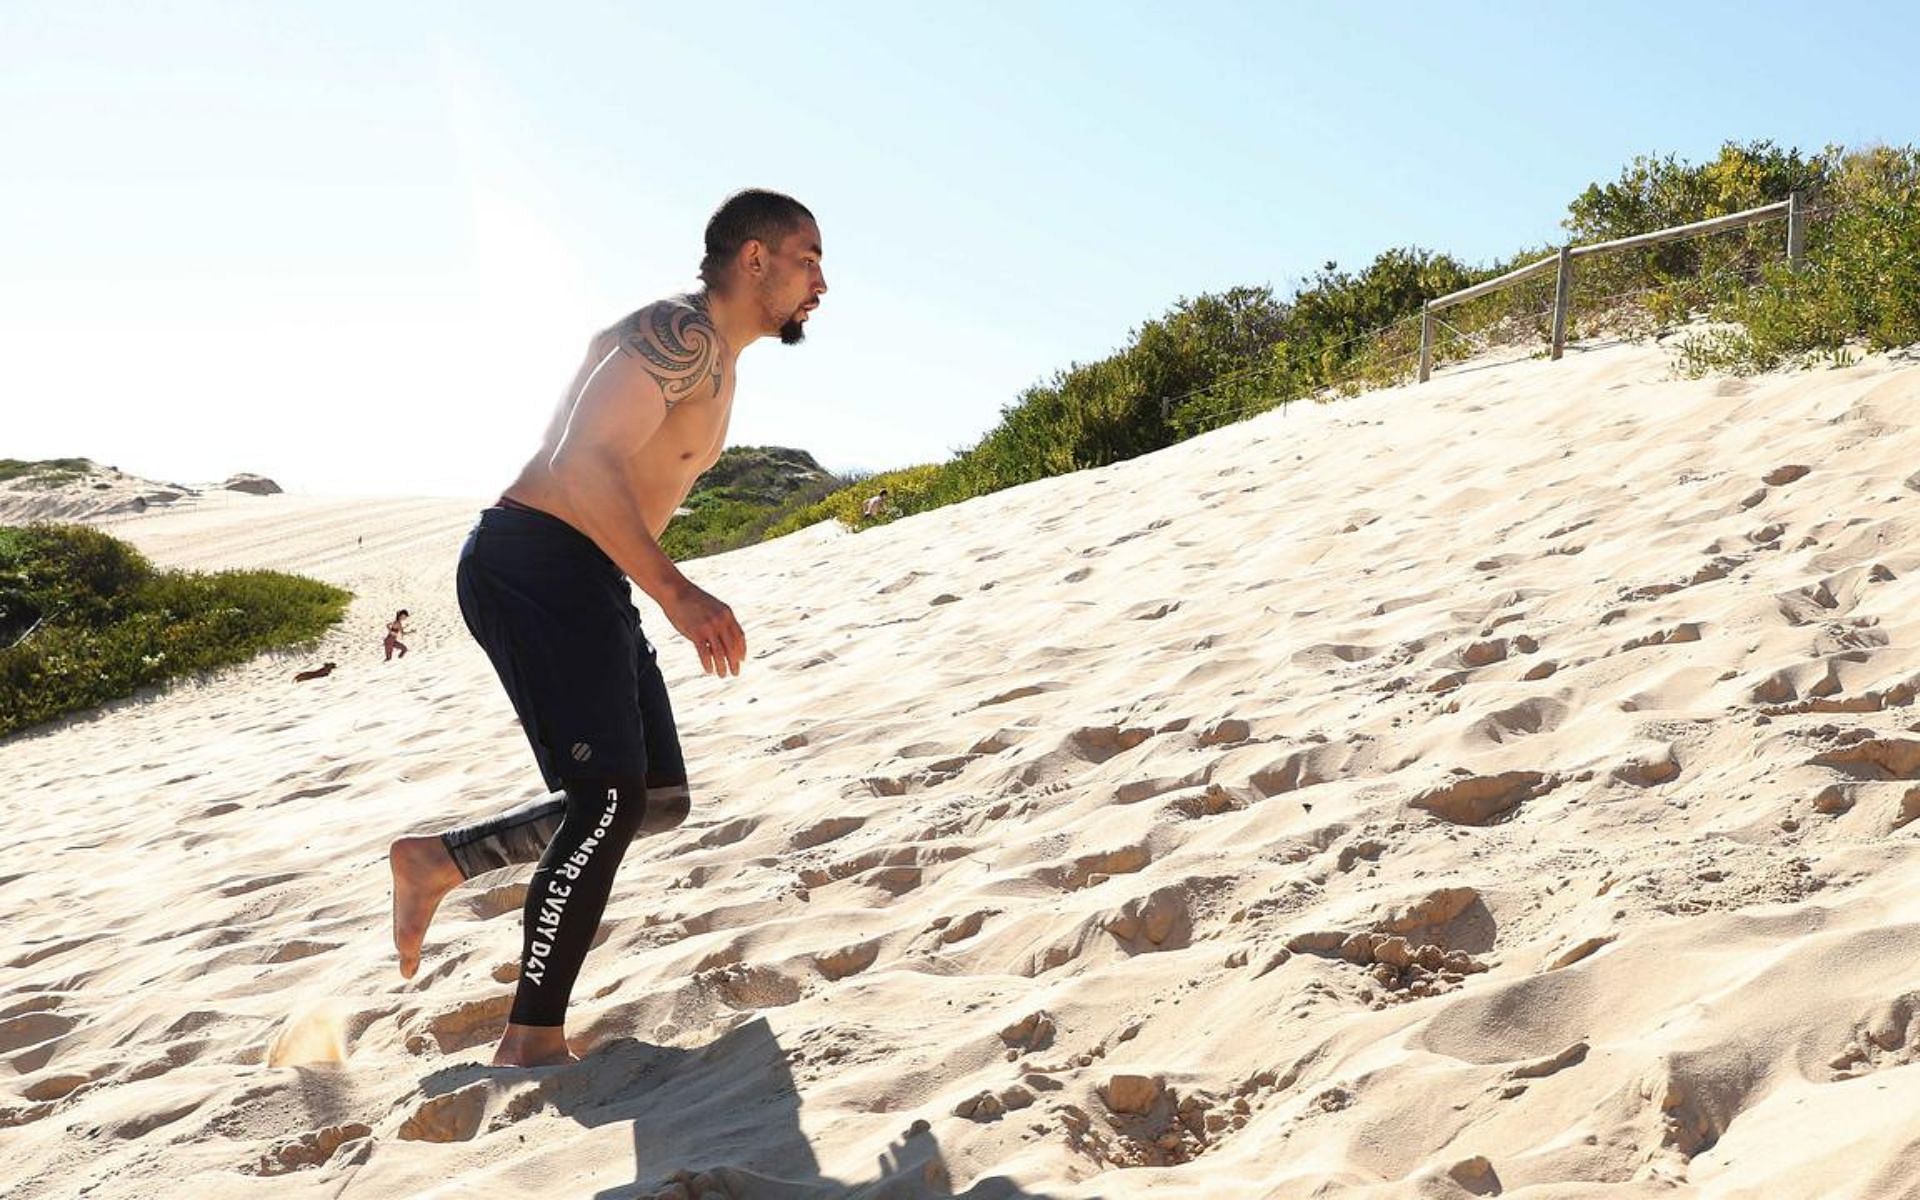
(1389, 353)
(1562, 263)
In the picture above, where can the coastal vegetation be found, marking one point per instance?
(746, 492)
(1222, 357)
(44, 472)
(86, 618)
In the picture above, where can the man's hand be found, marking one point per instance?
(710, 626)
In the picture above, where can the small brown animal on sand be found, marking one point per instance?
(316, 673)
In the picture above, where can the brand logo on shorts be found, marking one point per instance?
(582, 752)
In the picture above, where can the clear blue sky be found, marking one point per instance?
(360, 246)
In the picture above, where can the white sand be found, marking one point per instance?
(1556, 669)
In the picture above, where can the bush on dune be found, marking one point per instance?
(46, 472)
(1214, 358)
(85, 618)
(909, 490)
(750, 489)
(1861, 281)
(1226, 356)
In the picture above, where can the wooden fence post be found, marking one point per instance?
(1796, 232)
(1426, 341)
(1562, 295)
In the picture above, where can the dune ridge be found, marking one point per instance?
(1502, 786)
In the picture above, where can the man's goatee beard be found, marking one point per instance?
(793, 332)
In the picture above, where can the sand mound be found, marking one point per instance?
(110, 496)
(253, 485)
(1499, 787)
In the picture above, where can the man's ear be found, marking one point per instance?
(753, 257)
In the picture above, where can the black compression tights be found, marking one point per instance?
(569, 892)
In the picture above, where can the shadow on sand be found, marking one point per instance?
(728, 1111)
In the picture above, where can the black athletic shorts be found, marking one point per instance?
(555, 617)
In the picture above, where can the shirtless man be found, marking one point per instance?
(543, 582)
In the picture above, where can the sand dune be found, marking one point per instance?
(1504, 786)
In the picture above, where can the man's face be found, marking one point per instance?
(793, 283)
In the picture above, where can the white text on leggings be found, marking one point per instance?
(547, 927)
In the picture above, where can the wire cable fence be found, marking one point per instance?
(1623, 291)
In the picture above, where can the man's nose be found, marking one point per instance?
(820, 284)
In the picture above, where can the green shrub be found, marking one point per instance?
(85, 618)
(749, 489)
(1220, 358)
(46, 472)
(909, 490)
(1860, 282)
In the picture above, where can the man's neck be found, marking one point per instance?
(738, 325)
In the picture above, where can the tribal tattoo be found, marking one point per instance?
(678, 345)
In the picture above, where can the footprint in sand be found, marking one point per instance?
(298, 949)
(821, 832)
(894, 881)
(1483, 799)
(463, 1026)
(736, 830)
(1227, 731)
(1650, 768)
(139, 1125)
(1152, 610)
(453, 1117)
(30, 1040)
(1315, 765)
(1159, 920)
(242, 886)
(310, 793)
(838, 964)
(1875, 758)
(1885, 1036)
(352, 1142)
(46, 950)
(930, 776)
(1035, 1031)
(1525, 719)
(1133, 791)
(1098, 743)
(896, 869)
(949, 930)
(1209, 801)
(1686, 631)
(1091, 870)
(744, 986)
(1020, 693)
(493, 902)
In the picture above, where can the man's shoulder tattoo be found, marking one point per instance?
(677, 344)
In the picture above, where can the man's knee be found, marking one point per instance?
(626, 807)
(667, 807)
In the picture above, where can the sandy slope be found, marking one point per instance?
(1499, 786)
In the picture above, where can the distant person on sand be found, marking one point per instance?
(395, 628)
(874, 504)
(543, 585)
(320, 672)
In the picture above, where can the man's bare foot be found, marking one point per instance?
(423, 872)
(533, 1046)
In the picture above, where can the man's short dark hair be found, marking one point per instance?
(753, 215)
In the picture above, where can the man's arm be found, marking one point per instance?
(621, 407)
